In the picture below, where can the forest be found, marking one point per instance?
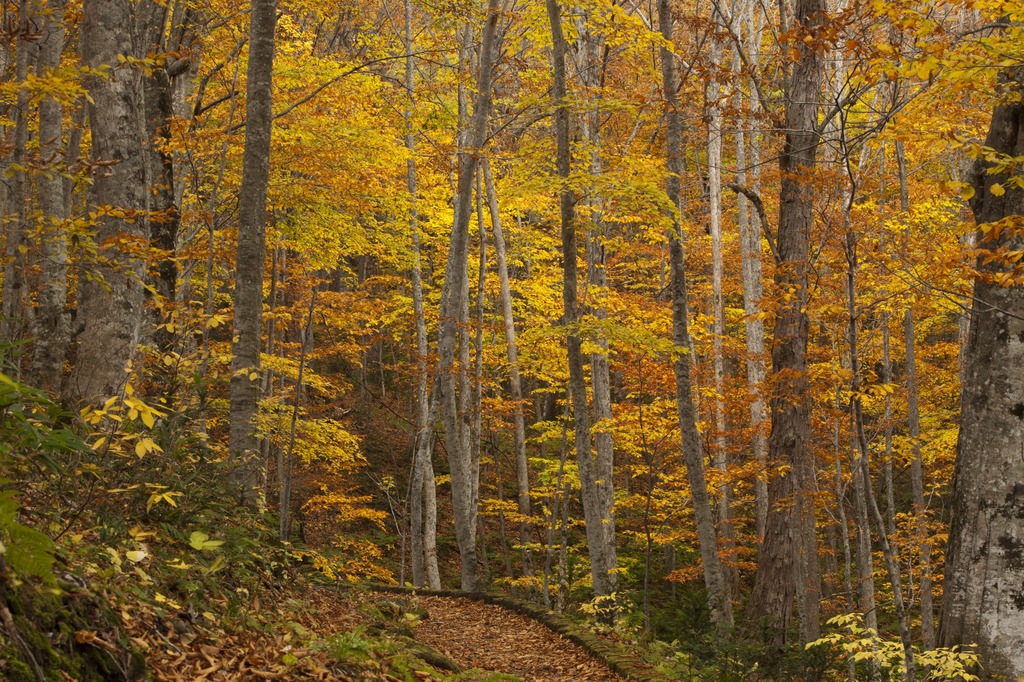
(695, 325)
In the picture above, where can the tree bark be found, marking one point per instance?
(983, 600)
(716, 134)
(515, 381)
(51, 319)
(590, 74)
(719, 599)
(592, 508)
(15, 294)
(110, 301)
(252, 216)
(750, 255)
(771, 599)
(424, 431)
(456, 425)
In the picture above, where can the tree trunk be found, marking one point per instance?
(252, 215)
(51, 319)
(110, 302)
(424, 428)
(719, 599)
(750, 255)
(771, 599)
(15, 294)
(515, 382)
(476, 433)
(592, 507)
(456, 425)
(983, 600)
(714, 120)
(914, 432)
(591, 44)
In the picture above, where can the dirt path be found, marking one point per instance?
(479, 635)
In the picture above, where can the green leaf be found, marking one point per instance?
(30, 551)
(200, 540)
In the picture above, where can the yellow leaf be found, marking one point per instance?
(141, 449)
(967, 191)
(997, 190)
(147, 419)
(135, 556)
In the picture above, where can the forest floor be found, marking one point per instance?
(479, 635)
(350, 635)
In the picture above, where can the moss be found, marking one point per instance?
(46, 622)
(12, 668)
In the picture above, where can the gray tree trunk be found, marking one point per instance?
(456, 424)
(15, 294)
(914, 432)
(983, 599)
(51, 319)
(110, 301)
(716, 134)
(424, 431)
(476, 404)
(719, 599)
(515, 382)
(252, 215)
(592, 507)
(590, 70)
(750, 254)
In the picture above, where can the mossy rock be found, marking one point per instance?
(39, 628)
(427, 654)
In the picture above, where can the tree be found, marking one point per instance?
(983, 600)
(719, 599)
(51, 319)
(593, 510)
(110, 297)
(456, 424)
(787, 536)
(252, 216)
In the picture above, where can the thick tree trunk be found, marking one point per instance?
(515, 382)
(592, 507)
(771, 599)
(983, 600)
(110, 302)
(719, 599)
(252, 215)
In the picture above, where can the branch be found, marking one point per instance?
(755, 199)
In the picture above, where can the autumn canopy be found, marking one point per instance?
(701, 320)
